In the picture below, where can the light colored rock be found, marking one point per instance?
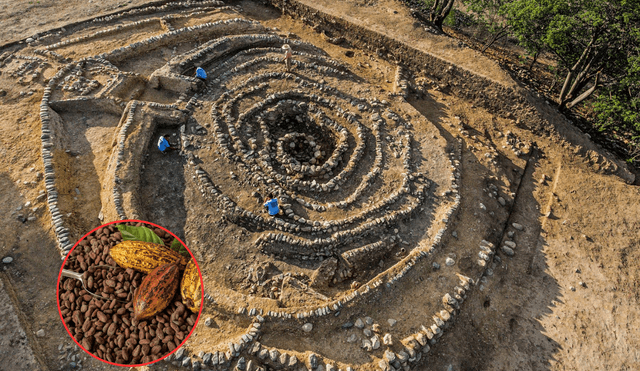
(368, 320)
(359, 323)
(307, 327)
(375, 342)
(449, 262)
(7, 260)
(389, 356)
(392, 322)
(518, 226)
(387, 340)
(366, 345)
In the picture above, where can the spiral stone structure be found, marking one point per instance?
(357, 271)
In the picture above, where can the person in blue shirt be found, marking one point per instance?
(272, 205)
(163, 144)
(201, 73)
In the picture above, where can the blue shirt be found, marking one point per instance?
(163, 144)
(272, 205)
(200, 72)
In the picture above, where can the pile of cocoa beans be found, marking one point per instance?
(106, 327)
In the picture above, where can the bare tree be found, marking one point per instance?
(439, 11)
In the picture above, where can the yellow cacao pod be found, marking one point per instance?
(144, 256)
(190, 288)
(156, 291)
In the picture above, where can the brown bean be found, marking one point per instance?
(86, 325)
(99, 339)
(171, 346)
(136, 351)
(112, 329)
(87, 344)
(146, 349)
(102, 317)
(120, 340)
(156, 349)
(78, 318)
(130, 342)
(92, 330)
(125, 355)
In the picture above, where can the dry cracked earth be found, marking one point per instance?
(426, 223)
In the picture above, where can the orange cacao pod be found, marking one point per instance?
(144, 256)
(190, 287)
(156, 291)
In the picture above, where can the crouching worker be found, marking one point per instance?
(272, 205)
(201, 73)
(164, 145)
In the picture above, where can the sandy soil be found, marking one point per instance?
(567, 300)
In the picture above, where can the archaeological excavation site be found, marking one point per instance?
(433, 213)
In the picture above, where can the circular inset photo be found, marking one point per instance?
(130, 293)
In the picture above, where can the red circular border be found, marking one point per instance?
(60, 277)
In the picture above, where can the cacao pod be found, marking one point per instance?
(144, 256)
(156, 291)
(190, 288)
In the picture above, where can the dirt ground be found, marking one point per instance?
(567, 300)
